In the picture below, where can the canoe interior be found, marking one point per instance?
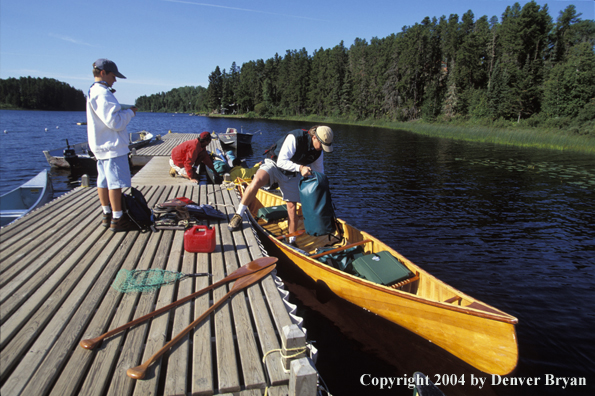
(25, 198)
(426, 287)
(21, 198)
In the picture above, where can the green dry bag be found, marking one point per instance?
(317, 206)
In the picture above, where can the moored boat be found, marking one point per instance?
(233, 138)
(479, 334)
(25, 198)
(79, 157)
(58, 158)
(140, 139)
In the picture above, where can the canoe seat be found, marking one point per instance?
(454, 300)
(398, 285)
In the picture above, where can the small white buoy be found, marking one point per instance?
(57, 127)
(46, 129)
(5, 131)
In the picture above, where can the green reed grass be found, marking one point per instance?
(513, 136)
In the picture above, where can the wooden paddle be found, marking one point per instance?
(139, 372)
(247, 269)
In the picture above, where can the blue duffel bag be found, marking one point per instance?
(317, 206)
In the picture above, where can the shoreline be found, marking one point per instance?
(559, 140)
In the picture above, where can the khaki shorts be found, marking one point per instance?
(289, 185)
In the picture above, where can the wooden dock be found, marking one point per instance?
(57, 265)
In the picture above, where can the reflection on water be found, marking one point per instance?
(512, 227)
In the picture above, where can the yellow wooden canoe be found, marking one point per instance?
(475, 332)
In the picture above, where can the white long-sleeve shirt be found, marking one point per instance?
(106, 123)
(288, 150)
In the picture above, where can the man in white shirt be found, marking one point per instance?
(297, 153)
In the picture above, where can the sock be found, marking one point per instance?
(241, 209)
(117, 214)
(107, 209)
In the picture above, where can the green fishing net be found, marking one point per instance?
(144, 280)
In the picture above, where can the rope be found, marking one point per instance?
(299, 350)
(280, 350)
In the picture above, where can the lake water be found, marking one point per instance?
(512, 227)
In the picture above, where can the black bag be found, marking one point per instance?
(134, 205)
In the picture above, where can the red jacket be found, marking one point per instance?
(189, 154)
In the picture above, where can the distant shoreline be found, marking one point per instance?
(560, 140)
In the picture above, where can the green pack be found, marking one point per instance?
(272, 213)
(382, 268)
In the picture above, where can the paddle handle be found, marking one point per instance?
(333, 251)
(139, 372)
(92, 343)
(296, 233)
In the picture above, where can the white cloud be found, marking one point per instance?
(71, 40)
(240, 9)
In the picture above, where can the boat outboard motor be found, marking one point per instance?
(71, 157)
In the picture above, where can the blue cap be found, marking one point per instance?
(108, 66)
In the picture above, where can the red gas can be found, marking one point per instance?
(200, 239)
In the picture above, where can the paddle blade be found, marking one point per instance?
(260, 263)
(250, 279)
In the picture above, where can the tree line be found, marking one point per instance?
(524, 66)
(40, 94)
(182, 100)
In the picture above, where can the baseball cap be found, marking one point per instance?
(325, 136)
(205, 136)
(108, 66)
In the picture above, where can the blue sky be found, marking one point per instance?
(163, 44)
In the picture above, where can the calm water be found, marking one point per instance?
(512, 227)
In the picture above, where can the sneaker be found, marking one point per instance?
(106, 220)
(121, 224)
(235, 223)
(172, 172)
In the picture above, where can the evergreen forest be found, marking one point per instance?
(40, 94)
(183, 100)
(522, 68)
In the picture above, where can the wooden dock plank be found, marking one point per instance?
(160, 326)
(262, 316)
(178, 360)
(252, 369)
(202, 379)
(227, 369)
